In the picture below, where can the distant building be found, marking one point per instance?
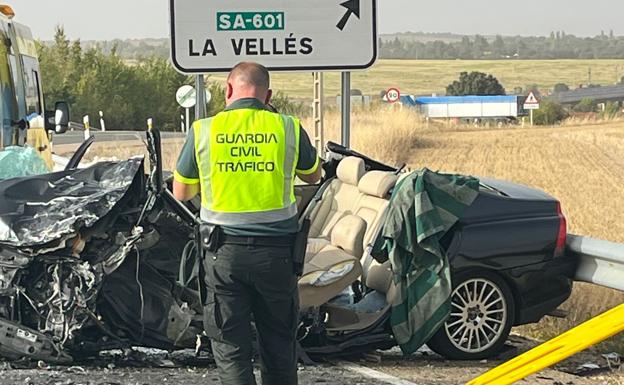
(478, 107)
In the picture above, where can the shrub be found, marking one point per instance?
(611, 111)
(549, 113)
(561, 87)
(586, 105)
(286, 105)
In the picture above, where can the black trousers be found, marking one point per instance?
(244, 281)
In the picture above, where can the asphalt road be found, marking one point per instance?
(77, 137)
(151, 367)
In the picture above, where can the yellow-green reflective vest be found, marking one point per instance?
(247, 160)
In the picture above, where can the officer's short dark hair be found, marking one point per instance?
(251, 73)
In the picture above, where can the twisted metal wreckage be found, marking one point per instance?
(89, 260)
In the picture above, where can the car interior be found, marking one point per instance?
(345, 222)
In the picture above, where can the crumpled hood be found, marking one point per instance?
(41, 209)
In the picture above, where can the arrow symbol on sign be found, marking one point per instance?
(353, 8)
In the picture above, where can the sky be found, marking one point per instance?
(110, 19)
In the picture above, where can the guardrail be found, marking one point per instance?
(600, 262)
(76, 126)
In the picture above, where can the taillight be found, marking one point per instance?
(562, 233)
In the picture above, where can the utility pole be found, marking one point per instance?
(317, 112)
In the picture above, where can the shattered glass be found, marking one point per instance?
(35, 211)
(21, 161)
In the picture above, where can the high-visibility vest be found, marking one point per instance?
(247, 160)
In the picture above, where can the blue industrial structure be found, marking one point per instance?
(496, 106)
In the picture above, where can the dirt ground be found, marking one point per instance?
(427, 368)
(423, 368)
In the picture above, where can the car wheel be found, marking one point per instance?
(482, 313)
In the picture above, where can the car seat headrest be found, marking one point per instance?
(377, 183)
(350, 170)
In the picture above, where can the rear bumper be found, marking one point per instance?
(540, 288)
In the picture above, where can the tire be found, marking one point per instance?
(470, 333)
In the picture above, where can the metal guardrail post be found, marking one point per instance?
(599, 262)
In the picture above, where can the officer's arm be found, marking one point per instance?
(312, 178)
(185, 192)
(309, 164)
(186, 176)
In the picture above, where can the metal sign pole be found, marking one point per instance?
(531, 118)
(200, 107)
(346, 109)
(187, 121)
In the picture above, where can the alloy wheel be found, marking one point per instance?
(478, 315)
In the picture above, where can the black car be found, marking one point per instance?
(105, 257)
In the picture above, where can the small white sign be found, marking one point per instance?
(393, 95)
(531, 102)
(293, 35)
(187, 97)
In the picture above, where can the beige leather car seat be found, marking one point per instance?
(335, 266)
(345, 222)
(375, 187)
(340, 198)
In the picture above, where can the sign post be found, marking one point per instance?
(200, 104)
(329, 35)
(531, 103)
(346, 109)
(187, 98)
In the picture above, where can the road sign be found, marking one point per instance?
(294, 35)
(187, 97)
(393, 95)
(531, 102)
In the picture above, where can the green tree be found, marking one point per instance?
(475, 83)
(217, 103)
(92, 81)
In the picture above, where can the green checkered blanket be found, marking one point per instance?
(423, 207)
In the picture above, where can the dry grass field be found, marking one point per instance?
(421, 77)
(581, 163)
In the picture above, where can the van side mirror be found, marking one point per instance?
(61, 117)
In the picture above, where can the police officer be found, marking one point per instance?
(243, 162)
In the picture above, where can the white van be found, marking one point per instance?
(20, 86)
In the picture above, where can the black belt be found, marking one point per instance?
(277, 241)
